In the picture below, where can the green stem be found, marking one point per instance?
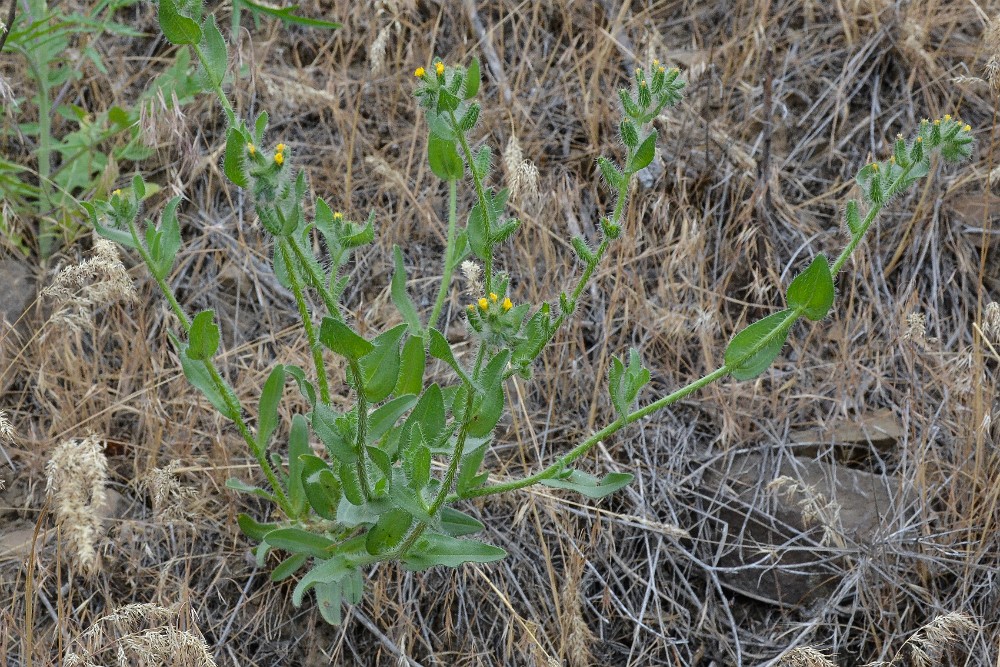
(449, 251)
(722, 371)
(316, 279)
(362, 406)
(480, 196)
(217, 88)
(232, 404)
(304, 315)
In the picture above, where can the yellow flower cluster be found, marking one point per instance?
(279, 154)
(439, 68)
(484, 303)
(419, 72)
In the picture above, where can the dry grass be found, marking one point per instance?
(787, 99)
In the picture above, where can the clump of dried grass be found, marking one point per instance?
(927, 645)
(806, 656)
(77, 474)
(123, 633)
(991, 322)
(815, 507)
(78, 290)
(170, 498)
(522, 174)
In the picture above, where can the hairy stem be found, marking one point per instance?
(306, 317)
(480, 196)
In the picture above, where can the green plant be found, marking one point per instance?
(74, 156)
(70, 164)
(375, 497)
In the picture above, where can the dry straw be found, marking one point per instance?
(170, 499)
(77, 476)
(77, 291)
(122, 634)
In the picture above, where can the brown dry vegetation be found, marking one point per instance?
(786, 100)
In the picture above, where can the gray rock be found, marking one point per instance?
(783, 529)
(17, 291)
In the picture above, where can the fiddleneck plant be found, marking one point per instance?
(377, 496)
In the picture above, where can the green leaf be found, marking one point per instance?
(198, 375)
(457, 524)
(444, 159)
(234, 160)
(812, 290)
(468, 471)
(752, 350)
(298, 541)
(610, 172)
(329, 570)
(388, 532)
(253, 528)
(591, 486)
(382, 419)
(326, 423)
(438, 549)
(298, 446)
(288, 567)
(242, 487)
(380, 367)
(429, 413)
(340, 338)
(853, 218)
(169, 240)
(493, 401)
(447, 101)
(472, 78)
(331, 596)
(203, 337)
(351, 484)
(411, 367)
(288, 15)
(259, 126)
(475, 230)
(178, 29)
(399, 296)
(645, 153)
(267, 408)
(440, 349)
(215, 52)
(320, 485)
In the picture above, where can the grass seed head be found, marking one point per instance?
(77, 475)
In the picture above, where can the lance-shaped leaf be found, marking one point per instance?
(439, 549)
(812, 290)
(399, 295)
(752, 350)
(177, 28)
(589, 485)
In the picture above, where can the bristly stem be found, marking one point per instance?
(226, 104)
(480, 196)
(362, 407)
(304, 315)
(317, 280)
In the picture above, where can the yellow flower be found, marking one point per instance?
(493, 297)
(117, 193)
(937, 121)
(279, 159)
(484, 304)
(892, 159)
(656, 63)
(642, 84)
(661, 69)
(419, 72)
(338, 216)
(947, 116)
(920, 140)
(875, 166)
(507, 305)
(967, 128)
(439, 68)
(471, 307)
(251, 148)
(280, 148)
